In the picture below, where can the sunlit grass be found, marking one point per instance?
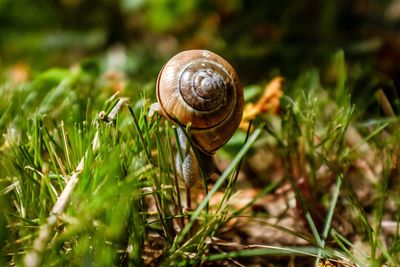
(128, 205)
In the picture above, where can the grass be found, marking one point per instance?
(61, 132)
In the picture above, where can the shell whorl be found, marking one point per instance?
(201, 88)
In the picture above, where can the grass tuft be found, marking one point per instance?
(88, 178)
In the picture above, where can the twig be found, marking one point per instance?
(34, 257)
(385, 103)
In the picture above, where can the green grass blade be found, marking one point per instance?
(216, 186)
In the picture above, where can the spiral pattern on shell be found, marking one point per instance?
(201, 88)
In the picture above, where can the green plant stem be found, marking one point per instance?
(329, 217)
(33, 258)
(216, 186)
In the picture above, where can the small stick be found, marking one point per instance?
(34, 257)
(385, 103)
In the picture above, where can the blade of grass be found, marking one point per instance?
(66, 146)
(33, 258)
(371, 135)
(343, 243)
(265, 251)
(329, 216)
(137, 127)
(216, 186)
(234, 176)
(146, 146)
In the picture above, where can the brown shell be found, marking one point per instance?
(202, 88)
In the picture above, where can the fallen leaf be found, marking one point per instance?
(268, 102)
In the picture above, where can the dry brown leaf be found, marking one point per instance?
(268, 102)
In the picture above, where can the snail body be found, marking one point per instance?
(200, 88)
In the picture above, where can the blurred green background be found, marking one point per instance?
(260, 38)
(122, 45)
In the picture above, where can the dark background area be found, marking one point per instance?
(260, 38)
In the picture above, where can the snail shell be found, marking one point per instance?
(200, 88)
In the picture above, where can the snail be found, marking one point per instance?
(201, 89)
